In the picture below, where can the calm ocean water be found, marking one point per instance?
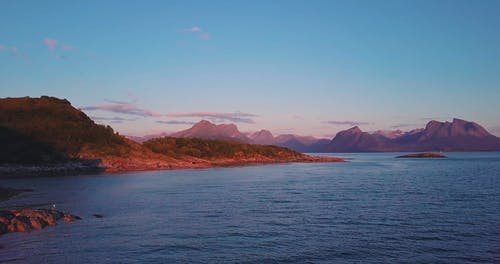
(373, 209)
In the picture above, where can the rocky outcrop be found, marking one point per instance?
(79, 166)
(25, 220)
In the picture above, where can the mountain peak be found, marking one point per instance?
(390, 134)
(262, 133)
(263, 136)
(204, 123)
(354, 129)
(208, 130)
(458, 127)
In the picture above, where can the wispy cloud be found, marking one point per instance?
(123, 108)
(347, 123)
(57, 48)
(112, 119)
(51, 43)
(404, 125)
(192, 29)
(204, 35)
(432, 118)
(174, 122)
(14, 52)
(236, 117)
(120, 102)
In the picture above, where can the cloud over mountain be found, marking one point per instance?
(236, 117)
(123, 108)
(347, 123)
(174, 122)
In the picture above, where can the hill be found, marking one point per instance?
(214, 150)
(52, 126)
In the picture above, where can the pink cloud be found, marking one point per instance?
(237, 117)
(66, 47)
(175, 122)
(57, 49)
(205, 36)
(192, 29)
(347, 123)
(14, 52)
(202, 34)
(123, 108)
(51, 43)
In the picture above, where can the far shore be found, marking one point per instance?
(113, 166)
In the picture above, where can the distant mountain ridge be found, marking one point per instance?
(458, 135)
(207, 130)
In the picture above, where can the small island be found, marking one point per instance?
(423, 155)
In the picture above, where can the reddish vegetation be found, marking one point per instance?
(140, 158)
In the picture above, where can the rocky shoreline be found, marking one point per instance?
(118, 164)
(25, 220)
(131, 165)
(51, 169)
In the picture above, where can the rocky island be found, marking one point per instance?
(423, 155)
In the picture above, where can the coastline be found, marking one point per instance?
(112, 165)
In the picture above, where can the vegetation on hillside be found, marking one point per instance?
(20, 149)
(49, 127)
(215, 149)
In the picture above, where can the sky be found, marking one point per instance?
(301, 67)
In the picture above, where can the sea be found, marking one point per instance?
(375, 208)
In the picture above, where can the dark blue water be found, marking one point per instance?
(374, 209)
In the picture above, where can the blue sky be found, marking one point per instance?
(304, 67)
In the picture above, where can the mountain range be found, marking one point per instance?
(457, 135)
(207, 130)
